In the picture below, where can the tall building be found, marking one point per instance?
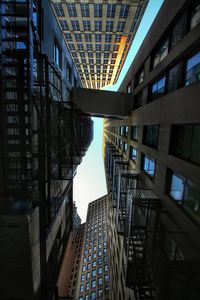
(102, 268)
(99, 35)
(43, 137)
(68, 275)
(152, 159)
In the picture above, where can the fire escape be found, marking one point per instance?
(43, 137)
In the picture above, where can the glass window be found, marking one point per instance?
(133, 153)
(124, 11)
(125, 147)
(173, 79)
(120, 26)
(148, 165)
(186, 193)
(150, 135)
(140, 77)
(177, 187)
(57, 54)
(178, 31)
(109, 26)
(100, 292)
(71, 10)
(158, 88)
(100, 281)
(93, 283)
(111, 10)
(193, 69)
(97, 10)
(86, 25)
(195, 17)
(106, 278)
(85, 9)
(88, 39)
(87, 286)
(86, 297)
(75, 25)
(98, 25)
(59, 9)
(82, 277)
(161, 53)
(93, 273)
(82, 288)
(134, 132)
(88, 275)
(94, 263)
(100, 270)
(105, 268)
(93, 295)
(185, 142)
(84, 268)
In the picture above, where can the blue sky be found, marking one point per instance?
(89, 182)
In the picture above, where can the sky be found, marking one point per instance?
(89, 182)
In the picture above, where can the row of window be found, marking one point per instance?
(189, 20)
(99, 271)
(87, 37)
(96, 47)
(184, 140)
(93, 295)
(85, 9)
(100, 281)
(97, 26)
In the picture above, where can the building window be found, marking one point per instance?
(68, 37)
(109, 26)
(158, 88)
(120, 26)
(100, 270)
(64, 25)
(172, 251)
(75, 25)
(89, 47)
(57, 54)
(85, 10)
(148, 165)
(106, 278)
(93, 283)
(86, 297)
(98, 26)
(98, 47)
(59, 9)
(185, 193)
(124, 11)
(185, 142)
(93, 273)
(106, 289)
(94, 264)
(82, 288)
(93, 296)
(80, 47)
(161, 53)
(108, 38)
(87, 286)
(71, 9)
(173, 79)
(118, 38)
(88, 38)
(86, 25)
(111, 10)
(105, 268)
(140, 77)
(134, 132)
(178, 31)
(98, 37)
(195, 17)
(100, 293)
(125, 147)
(150, 135)
(82, 277)
(193, 69)
(100, 281)
(133, 153)
(98, 10)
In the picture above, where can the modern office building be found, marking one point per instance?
(99, 35)
(101, 273)
(152, 159)
(43, 137)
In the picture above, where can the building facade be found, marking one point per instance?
(101, 273)
(152, 158)
(99, 35)
(43, 138)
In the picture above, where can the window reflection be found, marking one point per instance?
(193, 69)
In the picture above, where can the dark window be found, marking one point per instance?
(185, 142)
(140, 76)
(185, 193)
(161, 53)
(98, 10)
(148, 165)
(193, 69)
(134, 132)
(171, 249)
(150, 135)
(178, 31)
(85, 10)
(195, 17)
(173, 79)
(140, 98)
(111, 10)
(158, 88)
(126, 131)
